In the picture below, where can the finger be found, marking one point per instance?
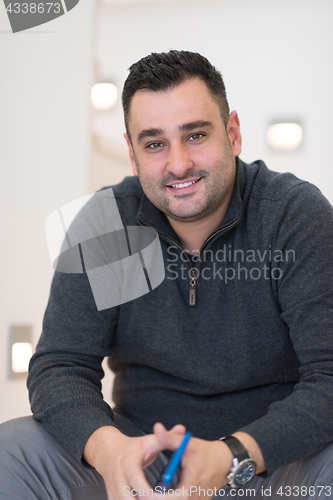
(168, 439)
(137, 480)
(178, 429)
(151, 447)
(116, 486)
(160, 433)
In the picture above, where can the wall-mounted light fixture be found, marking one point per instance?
(104, 96)
(20, 350)
(285, 135)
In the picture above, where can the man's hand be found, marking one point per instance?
(206, 464)
(121, 459)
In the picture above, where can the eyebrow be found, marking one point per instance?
(197, 124)
(151, 132)
(155, 132)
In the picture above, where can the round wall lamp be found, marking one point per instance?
(104, 96)
(285, 136)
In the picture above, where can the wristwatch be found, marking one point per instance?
(243, 466)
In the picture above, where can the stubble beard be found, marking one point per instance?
(213, 198)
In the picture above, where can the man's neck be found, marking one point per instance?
(192, 235)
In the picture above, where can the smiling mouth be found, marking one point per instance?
(184, 184)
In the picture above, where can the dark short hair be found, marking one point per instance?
(165, 70)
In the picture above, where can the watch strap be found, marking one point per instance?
(236, 448)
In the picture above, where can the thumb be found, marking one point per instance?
(170, 440)
(178, 429)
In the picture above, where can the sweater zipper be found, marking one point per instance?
(193, 288)
(193, 283)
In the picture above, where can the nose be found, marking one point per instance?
(179, 160)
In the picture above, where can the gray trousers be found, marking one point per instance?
(34, 466)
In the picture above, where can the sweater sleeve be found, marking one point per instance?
(302, 423)
(65, 372)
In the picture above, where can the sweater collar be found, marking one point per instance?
(149, 215)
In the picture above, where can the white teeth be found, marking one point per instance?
(177, 186)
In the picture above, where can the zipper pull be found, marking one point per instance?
(193, 290)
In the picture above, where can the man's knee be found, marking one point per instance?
(15, 433)
(34, 465)
(319, 467)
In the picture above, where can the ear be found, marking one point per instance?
(131, 154)
(234, 134)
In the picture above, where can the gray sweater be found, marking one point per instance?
(255, 353)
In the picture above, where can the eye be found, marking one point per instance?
(154, 145)
(195, 137)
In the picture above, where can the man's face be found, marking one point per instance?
(184, 157)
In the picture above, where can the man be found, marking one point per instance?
(235, 342)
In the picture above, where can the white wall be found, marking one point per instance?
(275, 56)
(45, 85)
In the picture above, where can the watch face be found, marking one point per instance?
(245, 473)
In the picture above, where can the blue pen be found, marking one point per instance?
(166, 477)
